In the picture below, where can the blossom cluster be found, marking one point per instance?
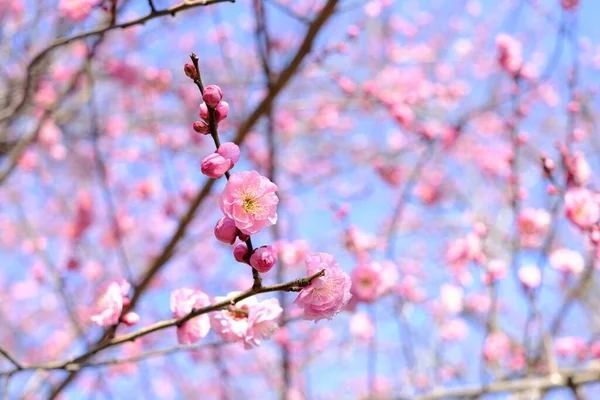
(249, 204)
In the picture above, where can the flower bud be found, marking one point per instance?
(264, 258)
(203, 111)
(240, 251)
(226, 231)
(229, 151)
(130, 319)
(215, 165)
(190, 71)
(221, 111)
(212, 95)
(201, 127)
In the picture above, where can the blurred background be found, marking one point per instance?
(428, 145)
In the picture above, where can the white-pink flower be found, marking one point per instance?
(183, 301)
(451, 298)
(109, 304)
(250, 200)
(581, 207)
(232, 326)
(327, 295)
(533, 223)
(262, 322)
(76, 10)
(361, 326)
(566, 260)
(530, 276)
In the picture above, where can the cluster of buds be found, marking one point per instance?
(213, 100)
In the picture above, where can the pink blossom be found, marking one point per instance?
(361, 326)
(292, 253)
(496, 346)
(569, 345)
(131, 318)
(509, 53)
(190, 71)
(532, 225)
(183, 301)
(226, 231)
(568, 261)
(249, 199)
(76, 10)
(221, 111)
(263, 258)
(453, 330)
(201, 127)
(569, 4)
(496, 269)
(214, 165)
(530, 276)
(463, 250)
(230, 151)
(581, 207)
(109, 304)
(262, 322)
(232, 326)
(451, 298)
(240, 252)
(365, 283)
(579, 169)
(327, 295)
(212, 95)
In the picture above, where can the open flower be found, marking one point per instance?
(183, 301)
(249, 199)
(262, 322)
(581, 207)
(326, 295)
(109, 304)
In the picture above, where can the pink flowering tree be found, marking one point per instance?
(299, 199)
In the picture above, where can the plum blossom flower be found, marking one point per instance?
(262, 322)
(226, 231)
(326, 295)
(109, 304)
(372, 280)
(530, 276)
(183, 301)
(569, 4)
(581, 207)
(232, 326)
(568, 261)
(212, 95)
(496, 346)
(453, 330)
(509, 53)
(361, 326)
(263, 258)
(451, 298)
(76, 10)
(250, 200)
(533, 223)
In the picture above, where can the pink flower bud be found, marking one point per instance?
(222, 110)
(214, 165)
(126, 301)
(229, 151)
(240, 251)
(190, 71)
(212, 95)
(201, 127)
(130, 319)
(203, 111)
(263, 258)
(226, 231)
